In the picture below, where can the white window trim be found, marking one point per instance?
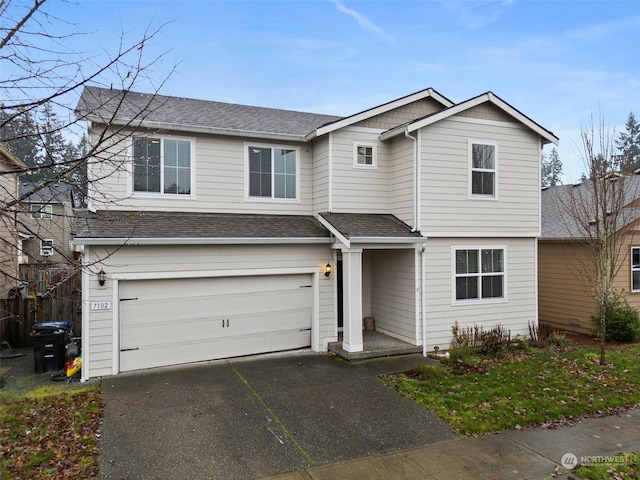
(374, 160)
(631, 268)
(44, 212)
(272, 199)
(192, 152)
(46, 250)
(478, 301)
(470, 143)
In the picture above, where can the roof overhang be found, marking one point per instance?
(546, 135)
(197, 241)
(372, 112)
(151, 125)
(370, 240)
(10, 159)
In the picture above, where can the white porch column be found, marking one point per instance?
(352, 299)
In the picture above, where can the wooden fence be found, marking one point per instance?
(52, 295)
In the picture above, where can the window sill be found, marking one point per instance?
(482, 197)
(486, 301)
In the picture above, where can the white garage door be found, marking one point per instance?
(168, 322)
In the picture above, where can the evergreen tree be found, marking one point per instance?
(18, 133)
(551, 169)
(628, 144)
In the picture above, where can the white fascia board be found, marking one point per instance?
(372, 112)
(199, 241)
(386, 240)
(461, 107)
(344, 240)
(199, 129)
(530, 234)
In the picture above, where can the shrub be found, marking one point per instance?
(622, 321)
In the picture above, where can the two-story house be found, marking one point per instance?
(216, 230)
(45, 222)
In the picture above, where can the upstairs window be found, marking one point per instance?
(39, 210)
(364, 155)
(273, 172)
(162, 165)
(479, 274)
(46, 247)
(635, 269)
(483, 169)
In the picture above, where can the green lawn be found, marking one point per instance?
(50, 435)
(532, 387)
(623, 466)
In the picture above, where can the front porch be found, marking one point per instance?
(375, 345)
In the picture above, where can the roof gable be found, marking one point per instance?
(467, 105)
(380, 110)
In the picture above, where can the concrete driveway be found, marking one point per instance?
(243, 419)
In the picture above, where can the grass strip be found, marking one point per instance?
(533, 387)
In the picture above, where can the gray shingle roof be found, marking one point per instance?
(557, 221)
(51, 193)
(180, 225)
(361, 225)
(159, 111)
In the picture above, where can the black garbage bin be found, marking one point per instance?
(49, 340)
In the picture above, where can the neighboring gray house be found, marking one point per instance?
(45, 222)
(211, 226)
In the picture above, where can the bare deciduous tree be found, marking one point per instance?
(42, 79)
(596, 213)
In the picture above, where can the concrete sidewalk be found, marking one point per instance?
(527, 454)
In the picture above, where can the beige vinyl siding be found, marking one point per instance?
(321, 174)
(162, 260)
(8, 234)
(401, 179)
(446, 206)
(359, 189)
(514, 314)
(563, 298)
(623, 279)
(394, 293)
(367, 307)
(56, 228)
(219, 186)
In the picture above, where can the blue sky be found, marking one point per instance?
(558, 62)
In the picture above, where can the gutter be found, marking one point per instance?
(78, 241)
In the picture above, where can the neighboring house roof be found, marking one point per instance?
(11, 160)
(50, 193)
(369, 228)
(115, 107)
(149, 228)
(556, 221)
(461, 107)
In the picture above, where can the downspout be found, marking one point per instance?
(84, 276)
(415, 180)
(423, 300)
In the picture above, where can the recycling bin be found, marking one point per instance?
(49, 340)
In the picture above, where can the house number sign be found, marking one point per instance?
(100, 305)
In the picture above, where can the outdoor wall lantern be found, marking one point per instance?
(102, 277)
(327, 270)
